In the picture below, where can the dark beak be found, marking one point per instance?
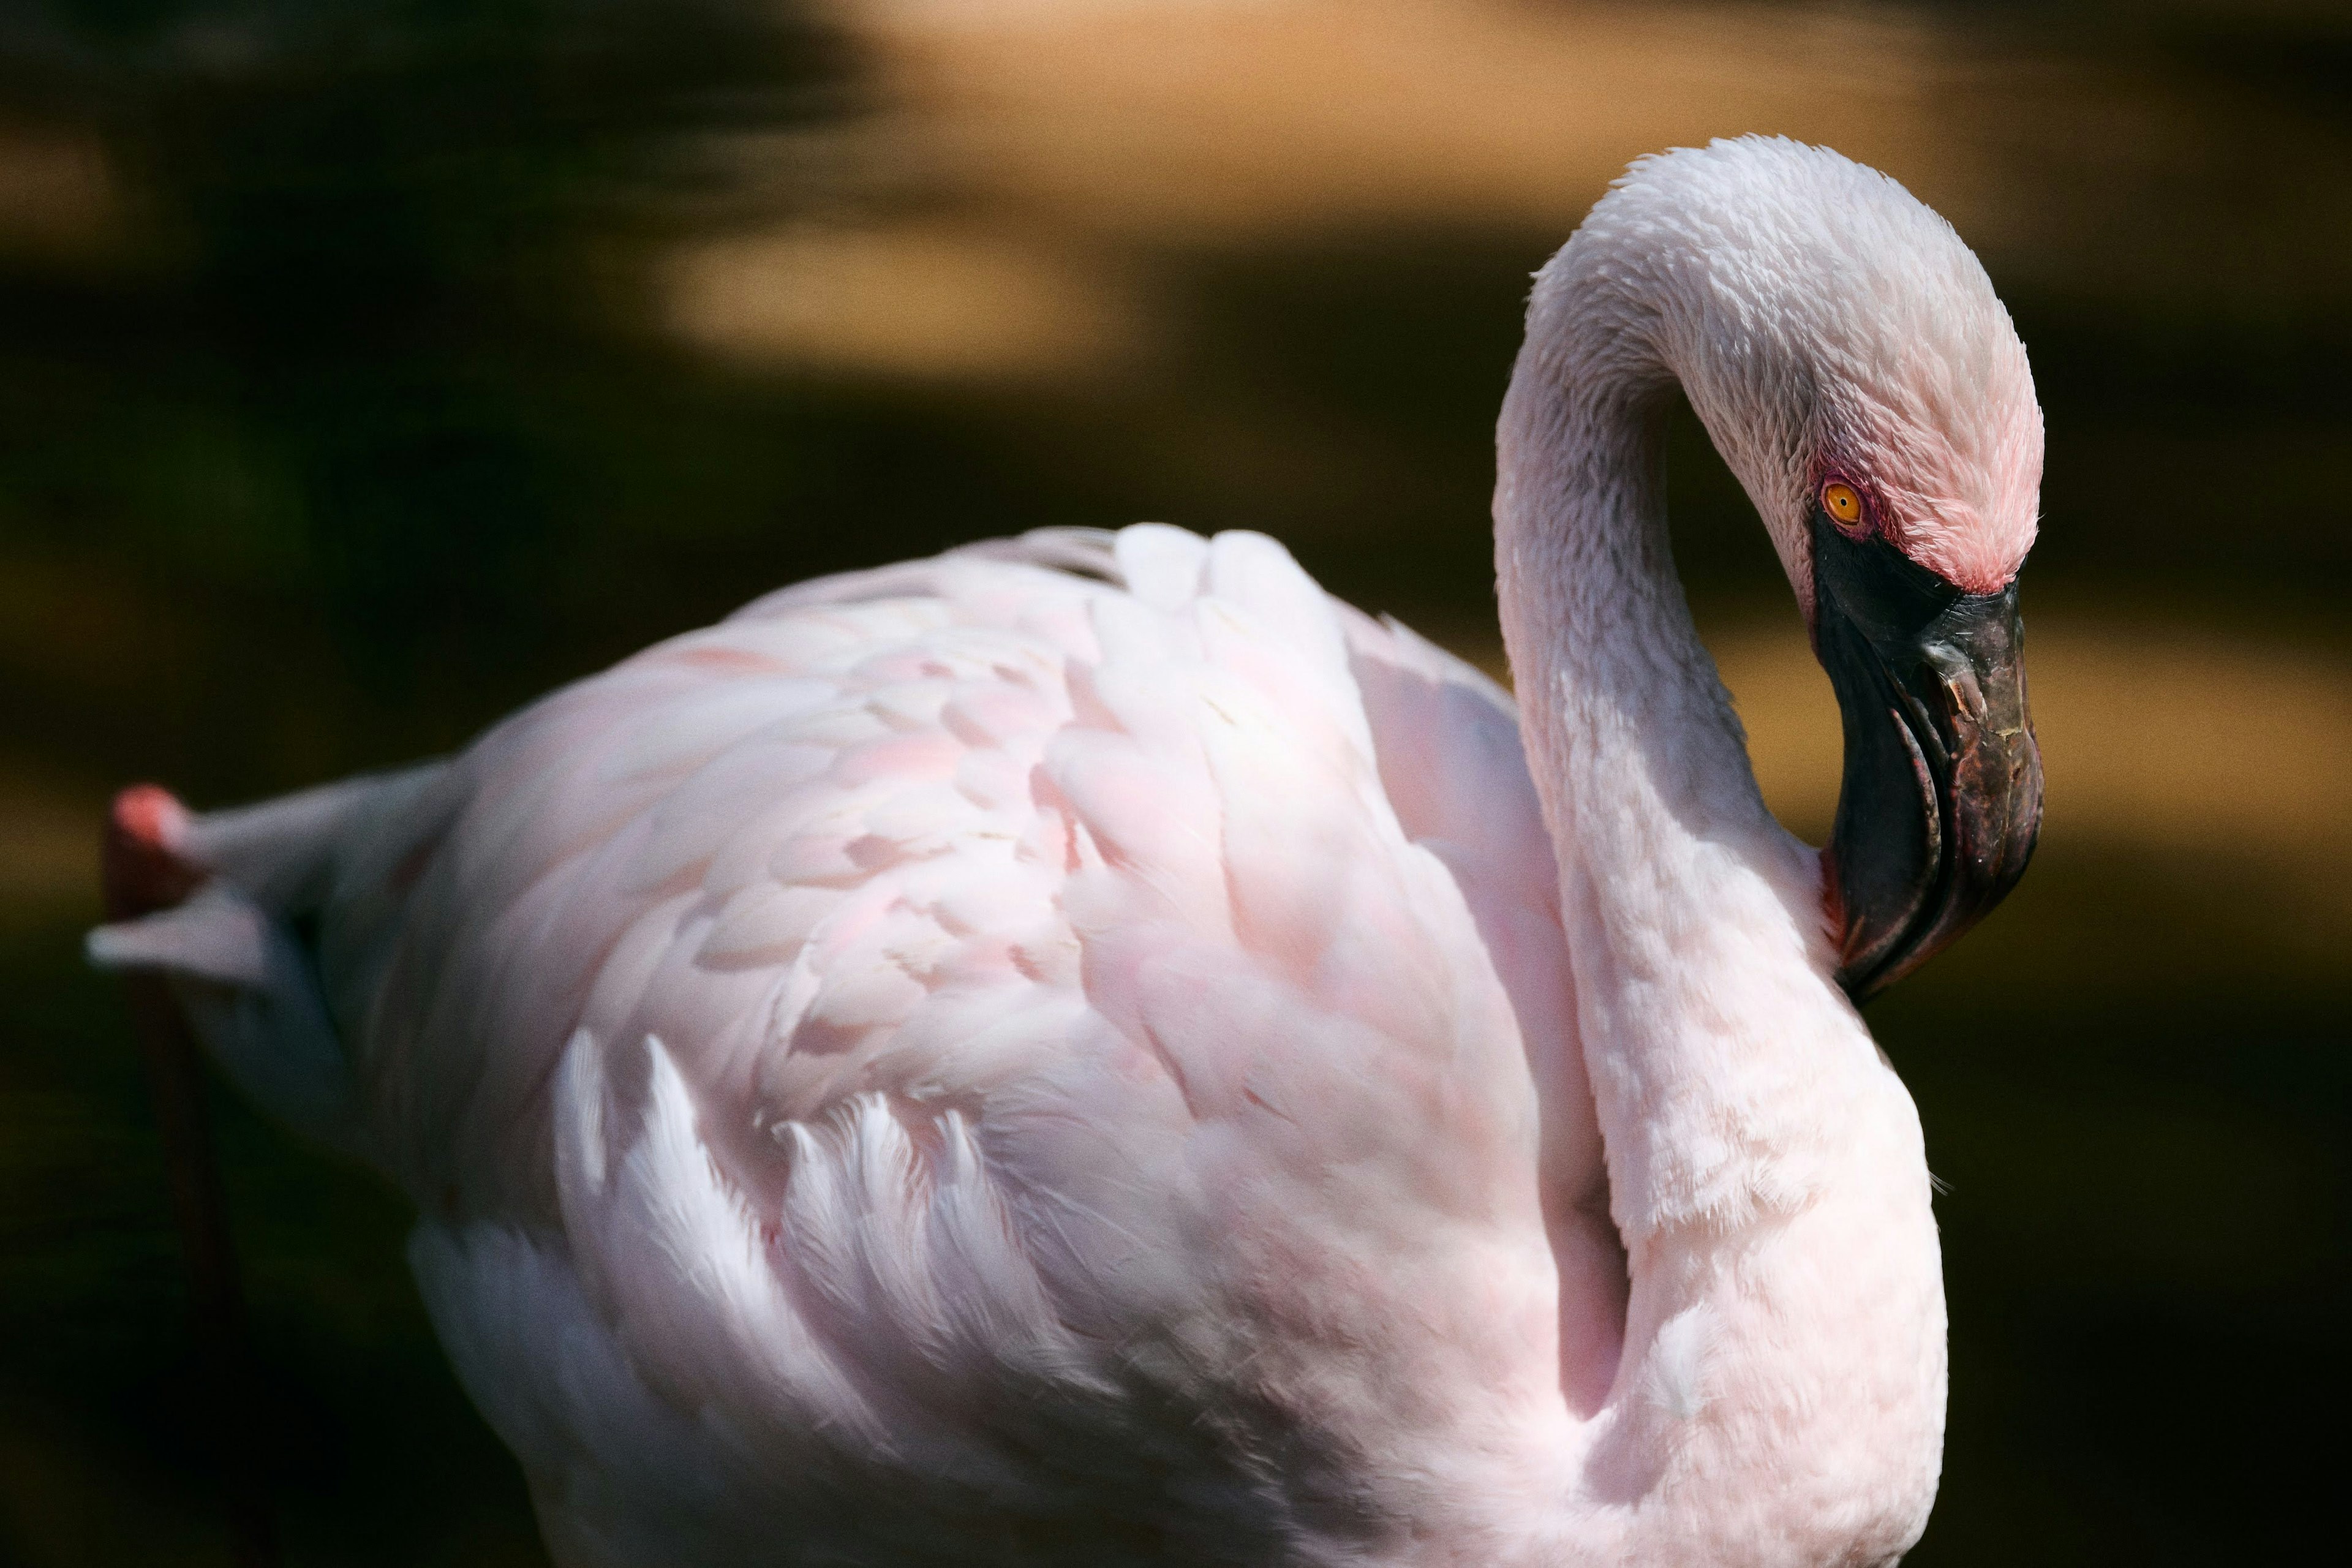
(1941, 799)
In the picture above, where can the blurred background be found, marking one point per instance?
(367, 366)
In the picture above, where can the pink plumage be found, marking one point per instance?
(1087, 1050)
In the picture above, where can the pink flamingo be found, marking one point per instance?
(1087, 1050)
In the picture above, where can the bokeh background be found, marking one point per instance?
(367, 366)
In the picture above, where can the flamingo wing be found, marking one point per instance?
(1022, 1055)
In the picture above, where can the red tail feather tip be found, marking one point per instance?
(141, 868)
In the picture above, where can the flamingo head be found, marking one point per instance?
(1849, 357)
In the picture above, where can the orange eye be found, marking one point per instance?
(1840, 502)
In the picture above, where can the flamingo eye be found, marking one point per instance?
(1841, 502)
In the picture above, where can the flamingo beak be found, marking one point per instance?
(1941, 798)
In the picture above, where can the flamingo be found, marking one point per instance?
(1087, 1049)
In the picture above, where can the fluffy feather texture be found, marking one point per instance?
(940, 1036)
(1823, 322)
(1086, 1049)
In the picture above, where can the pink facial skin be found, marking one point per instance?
(1966, 513)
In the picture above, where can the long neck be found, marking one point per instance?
(1695, 920)
(1753, 1137)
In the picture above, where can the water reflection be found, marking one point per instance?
(368, 367)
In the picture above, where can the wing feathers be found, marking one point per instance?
(966, 1017)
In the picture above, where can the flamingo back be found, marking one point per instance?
(1048, 1035)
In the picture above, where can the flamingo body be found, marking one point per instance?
(1087, 1050)
(966, 1032)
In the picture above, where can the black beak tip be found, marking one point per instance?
(1941, 802)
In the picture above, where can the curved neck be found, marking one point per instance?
(1751, 1131)
(1597, 625)
(1693, 920)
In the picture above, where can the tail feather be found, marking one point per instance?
(251, 993)
(218, 904)
(284, 853)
